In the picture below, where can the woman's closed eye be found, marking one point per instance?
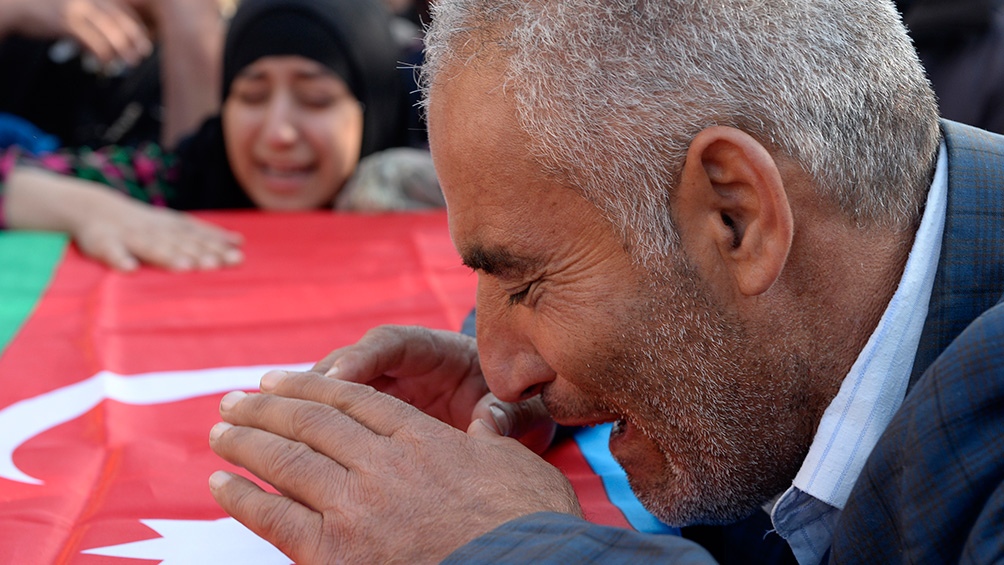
(320, 91)
(316, 100)
(251, 94)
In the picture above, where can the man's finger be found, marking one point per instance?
(285, 523)
(513, 419)
(349, 403)
(288, 465)
(339, 426)
(528, 420)
(378, 351)
(389, 349)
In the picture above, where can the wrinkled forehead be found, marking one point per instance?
(495, 191)
(469, 102)
(473, 130)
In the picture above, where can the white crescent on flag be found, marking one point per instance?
(26, 419)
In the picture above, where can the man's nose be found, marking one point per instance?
(513, 368)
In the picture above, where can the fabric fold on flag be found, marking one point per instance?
(111, 381)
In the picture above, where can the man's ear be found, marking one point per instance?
(732, 211)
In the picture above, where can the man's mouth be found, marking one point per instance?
(623, 440)
(583, 421)
(619, 427)
(620, 424)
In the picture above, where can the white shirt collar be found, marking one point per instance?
(870, 394)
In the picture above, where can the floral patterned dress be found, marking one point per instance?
(146, 172)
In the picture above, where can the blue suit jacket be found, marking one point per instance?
(932, 491)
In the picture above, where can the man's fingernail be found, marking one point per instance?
(218, 479)
(231, 398)
(217, 430)
(271, 379)
(332, 371)
(501, 420)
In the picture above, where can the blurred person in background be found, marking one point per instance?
(310, 88)
(961, 43)
(96, 72)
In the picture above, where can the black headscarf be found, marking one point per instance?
(350, 37)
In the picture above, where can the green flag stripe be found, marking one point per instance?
(27, 262)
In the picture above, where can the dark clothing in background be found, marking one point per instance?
(352, 38)
(961, 43)
(81, 108)
(86, 109)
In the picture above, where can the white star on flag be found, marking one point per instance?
(198, 542)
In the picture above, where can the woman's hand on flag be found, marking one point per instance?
(133, 233)
(113, 228)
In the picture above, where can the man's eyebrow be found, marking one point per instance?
(497, 262)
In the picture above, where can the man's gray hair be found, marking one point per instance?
(611, 93)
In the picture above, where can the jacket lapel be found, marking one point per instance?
(970, 277)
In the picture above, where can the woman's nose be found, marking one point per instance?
(280, 125)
